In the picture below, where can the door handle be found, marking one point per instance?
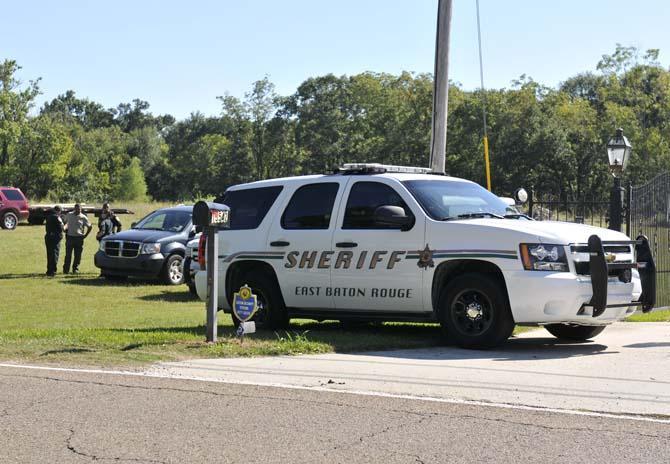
(346, 244)
(279, 243)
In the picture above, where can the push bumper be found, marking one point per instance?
(142, 265)
(600, 270)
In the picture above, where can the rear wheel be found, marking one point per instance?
(574, 332)
(474, 312)
(271, 313)
(191, 288)
(9, 221)
(173, 273)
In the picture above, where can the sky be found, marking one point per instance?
(179, 56)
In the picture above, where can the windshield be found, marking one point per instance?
(169, 221)
(444, 199)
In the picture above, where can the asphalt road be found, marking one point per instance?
(57, 416)
(625, 370)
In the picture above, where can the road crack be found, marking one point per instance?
(94, 457)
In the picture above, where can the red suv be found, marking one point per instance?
(13, 207)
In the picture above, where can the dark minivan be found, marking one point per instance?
(154, 247)
(13, 207)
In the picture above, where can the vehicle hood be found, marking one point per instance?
(556, 232)
(144, 236)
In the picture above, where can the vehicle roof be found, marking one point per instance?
(188, 208)
(325, 177)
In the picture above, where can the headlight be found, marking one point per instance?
(543, 257)
(102, 245)
(151, 248)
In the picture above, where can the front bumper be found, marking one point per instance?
(141, 265)
(600, 270)
(595, 299)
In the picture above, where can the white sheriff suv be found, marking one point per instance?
(372, 242)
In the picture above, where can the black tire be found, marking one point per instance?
(191, 289)
(271, 314)
(186, 269)
(474, 312)
(173, 272)
(9, 221)
(574, 332)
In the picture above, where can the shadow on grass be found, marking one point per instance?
(100, 282)
(195, 330)
(170, 297)
(23, 276)
(68, 351)
(372, 337)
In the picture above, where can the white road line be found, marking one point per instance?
(166, 375)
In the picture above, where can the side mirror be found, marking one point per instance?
(191, 233)
(520, 196)
(392, 216)
(132, 225)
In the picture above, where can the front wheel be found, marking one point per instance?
(574, 332)
(474, 312)
(271, 313)
(173, 274)
(9, 221)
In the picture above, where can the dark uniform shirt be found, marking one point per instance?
(54, 226)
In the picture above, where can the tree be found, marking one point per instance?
(68, 109)
(15, 103)
(131, 185)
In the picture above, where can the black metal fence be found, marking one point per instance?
(649, 214)
(560, 207)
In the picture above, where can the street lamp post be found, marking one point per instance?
(618, 154)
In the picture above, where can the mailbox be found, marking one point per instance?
(210, 218)
(208, 214)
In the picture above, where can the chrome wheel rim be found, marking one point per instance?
(10, 222)
(175, 271)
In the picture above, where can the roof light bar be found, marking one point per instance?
(382, 168)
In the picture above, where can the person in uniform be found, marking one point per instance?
(52, 239)
(108, 223)
(77, 227)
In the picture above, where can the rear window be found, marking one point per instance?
(12, 195)
(248, 207)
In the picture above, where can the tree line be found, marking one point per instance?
(549, 139)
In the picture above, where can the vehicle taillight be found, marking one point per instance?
(202, 252)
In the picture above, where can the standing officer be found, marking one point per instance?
(77, 227)
(108, 223)
(52, 238)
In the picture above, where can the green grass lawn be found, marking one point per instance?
(84, 320)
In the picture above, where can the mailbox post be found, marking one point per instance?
(212, 217)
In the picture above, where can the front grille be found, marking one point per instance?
(121, 249)
(194, 254)
(584, 268)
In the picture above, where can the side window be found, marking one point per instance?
(364, 199)
(248, 207)
(311, 207)
(12, 195)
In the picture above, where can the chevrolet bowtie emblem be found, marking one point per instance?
(610, 257)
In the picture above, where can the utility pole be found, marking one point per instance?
(438, 142)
